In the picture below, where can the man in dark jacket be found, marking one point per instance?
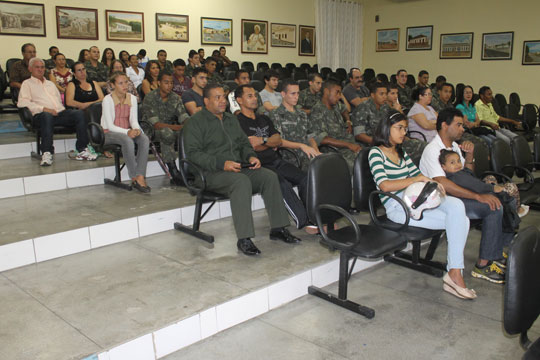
(215, 141)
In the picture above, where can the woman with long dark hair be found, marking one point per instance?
(151, 73)
(108, 57)
(393, 171)
(470, 117)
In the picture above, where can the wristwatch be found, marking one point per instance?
(470, 162)
(265, 140)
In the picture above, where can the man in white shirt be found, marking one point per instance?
(42, 98)
(490, 265)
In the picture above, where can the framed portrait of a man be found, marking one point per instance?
(254, 36)
(307, 40)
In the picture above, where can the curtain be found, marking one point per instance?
(338, 34)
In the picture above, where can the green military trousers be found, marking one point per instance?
(239, 187)
(167, 138)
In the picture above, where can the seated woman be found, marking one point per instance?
(60, 75)
(151, 73)
(422, 117)
(81, 93)
(108, 57)
(134, 72)
(84, 56)
(120, 123)
(471, 120)
(117, 66)
(393, 171)
(124, 58)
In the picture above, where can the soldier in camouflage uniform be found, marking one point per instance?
(423, 80)
(213, 76)
(329, 123)
(312, 94)
(95, 69)
(404, 92)
(164, 109)
(443, 100)
(164, 64)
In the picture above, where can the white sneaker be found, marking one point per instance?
(524, 211)
(46, 159)
(86, 155)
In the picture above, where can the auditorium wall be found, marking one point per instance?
(504, 76)
(299, 12)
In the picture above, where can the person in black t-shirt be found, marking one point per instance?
(264, 139)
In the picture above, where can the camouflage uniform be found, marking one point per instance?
(168, 67)
(330, 123)
(365, 117)
(307, 99)
(170, 112)
(99, 73)
(50, 64)
(189, 70)
(405, 96)
(438, 105)
(296, 127)
(215, 78)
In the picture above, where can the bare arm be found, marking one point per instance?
(268, 106)
(396, 185)
(341, 144)
(53, 80)
(192, 108)
(272, 142)
(358, 100)
(310, 151)
(364, 138)
(146, 87)
(423, 122)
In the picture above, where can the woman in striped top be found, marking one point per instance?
(393, 171)
(121, 126)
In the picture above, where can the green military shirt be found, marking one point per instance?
(306, 99)
(168, 66)
(50, 64)
(329, 123)
(215, 78)
(438, 105)
(189, 70)
(293, 126)
(170, 112)
(99, 73)
(405, 96)
(365, 117)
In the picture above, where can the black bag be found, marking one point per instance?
(482, 130)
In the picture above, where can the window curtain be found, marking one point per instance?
(338, 34)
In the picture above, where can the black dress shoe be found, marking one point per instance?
(143, 189)
(284, 235)
(177, 181)
(247, 247)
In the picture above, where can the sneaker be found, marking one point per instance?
(46, 159)
(86, 155)
(502, 262)
(523, 210)
(491, 272)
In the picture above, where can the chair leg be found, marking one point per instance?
(118, 174)
(194, 230)
(415, 262)
(37, 154)
(341, 299)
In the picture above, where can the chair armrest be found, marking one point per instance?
(417, 132)
(195, 170)
(26, 117)
(373, 211)
(535, 164)
(336, 244)
(329, 148)
(282, 150)
(97, 135)
(529, 178)
(497, 175)
(147, 128)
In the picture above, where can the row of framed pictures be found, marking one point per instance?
(28, 19)
(495, 46)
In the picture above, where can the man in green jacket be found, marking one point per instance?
(214, 141)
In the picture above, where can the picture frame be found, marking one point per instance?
(254, 36)
(22, 18)
(419, 38)
(172, 27)
(124, 25)
(531, 52)
(215, 31)
(456, 46)
(387, 40)
(282, 35)
(306, 40)
(497, 46)
(76, 23)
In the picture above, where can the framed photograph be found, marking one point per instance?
(456, 46)
(20, 18)
(497, 46)
(531, 52)
(283, 35)
(216, 31)
(76, 23)
(306, 35)
(124, 25)
(254, 36)
(419, 38)
(387, 40)
(171, 27)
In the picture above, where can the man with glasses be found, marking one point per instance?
(19, 70)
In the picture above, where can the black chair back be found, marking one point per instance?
(511, 111)
(276, 66)
(234, 66)
(314, 69)
(257, 85)
(299, 74)
(382, 78)
(258, 75)
(325, 71)
(363, 183)
(290, 67)
(342, 73)
(279, 86)
(231, 84)
(70, 63)
(501, 156)
(514, 99)
(530, 116)
(481, 159)
(94, 112)
(521, 152)
(303, 84)
(410, 81)
(140, 92)
(283, 73)
(501, 100)
(329, 182)
(248, 65)
(262, 66)
(9, 64)
(475, 98)
(393, 79)
(26, 118)
(229, 75)
(536, 147)
(369, 75)
(522, 288)
(497, 107)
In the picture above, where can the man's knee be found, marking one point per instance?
(166, 136)
(241, 182)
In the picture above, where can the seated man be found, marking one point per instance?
(223, 57)
(404, 92)
(163, 63)
(490, 265)
(42, 98)
(443, 100)
(165, 110)
(270, 97)
(241, 77)
(297, 132)
(49, 63)
(193, 98)
(355, 92)
(181, 82)
(439, 81)
(312, 94)
(215, 142)
(264, 139)
(488, 116)
(19, 70)
(201, 55)
(423, 79)
(213, 77)
(95, 69)
(392, 97)
(193, 61)
(329, 123)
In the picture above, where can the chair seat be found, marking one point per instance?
(375, 243)
(533, 352)
(412, 233)
(212, 196)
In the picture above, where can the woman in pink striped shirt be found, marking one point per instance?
(120, 123)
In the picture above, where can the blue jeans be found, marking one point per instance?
(72, 118)
(449, 216)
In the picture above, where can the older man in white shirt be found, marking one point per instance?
(42, 98)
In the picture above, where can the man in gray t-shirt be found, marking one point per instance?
(355, 92)
(270, 97)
